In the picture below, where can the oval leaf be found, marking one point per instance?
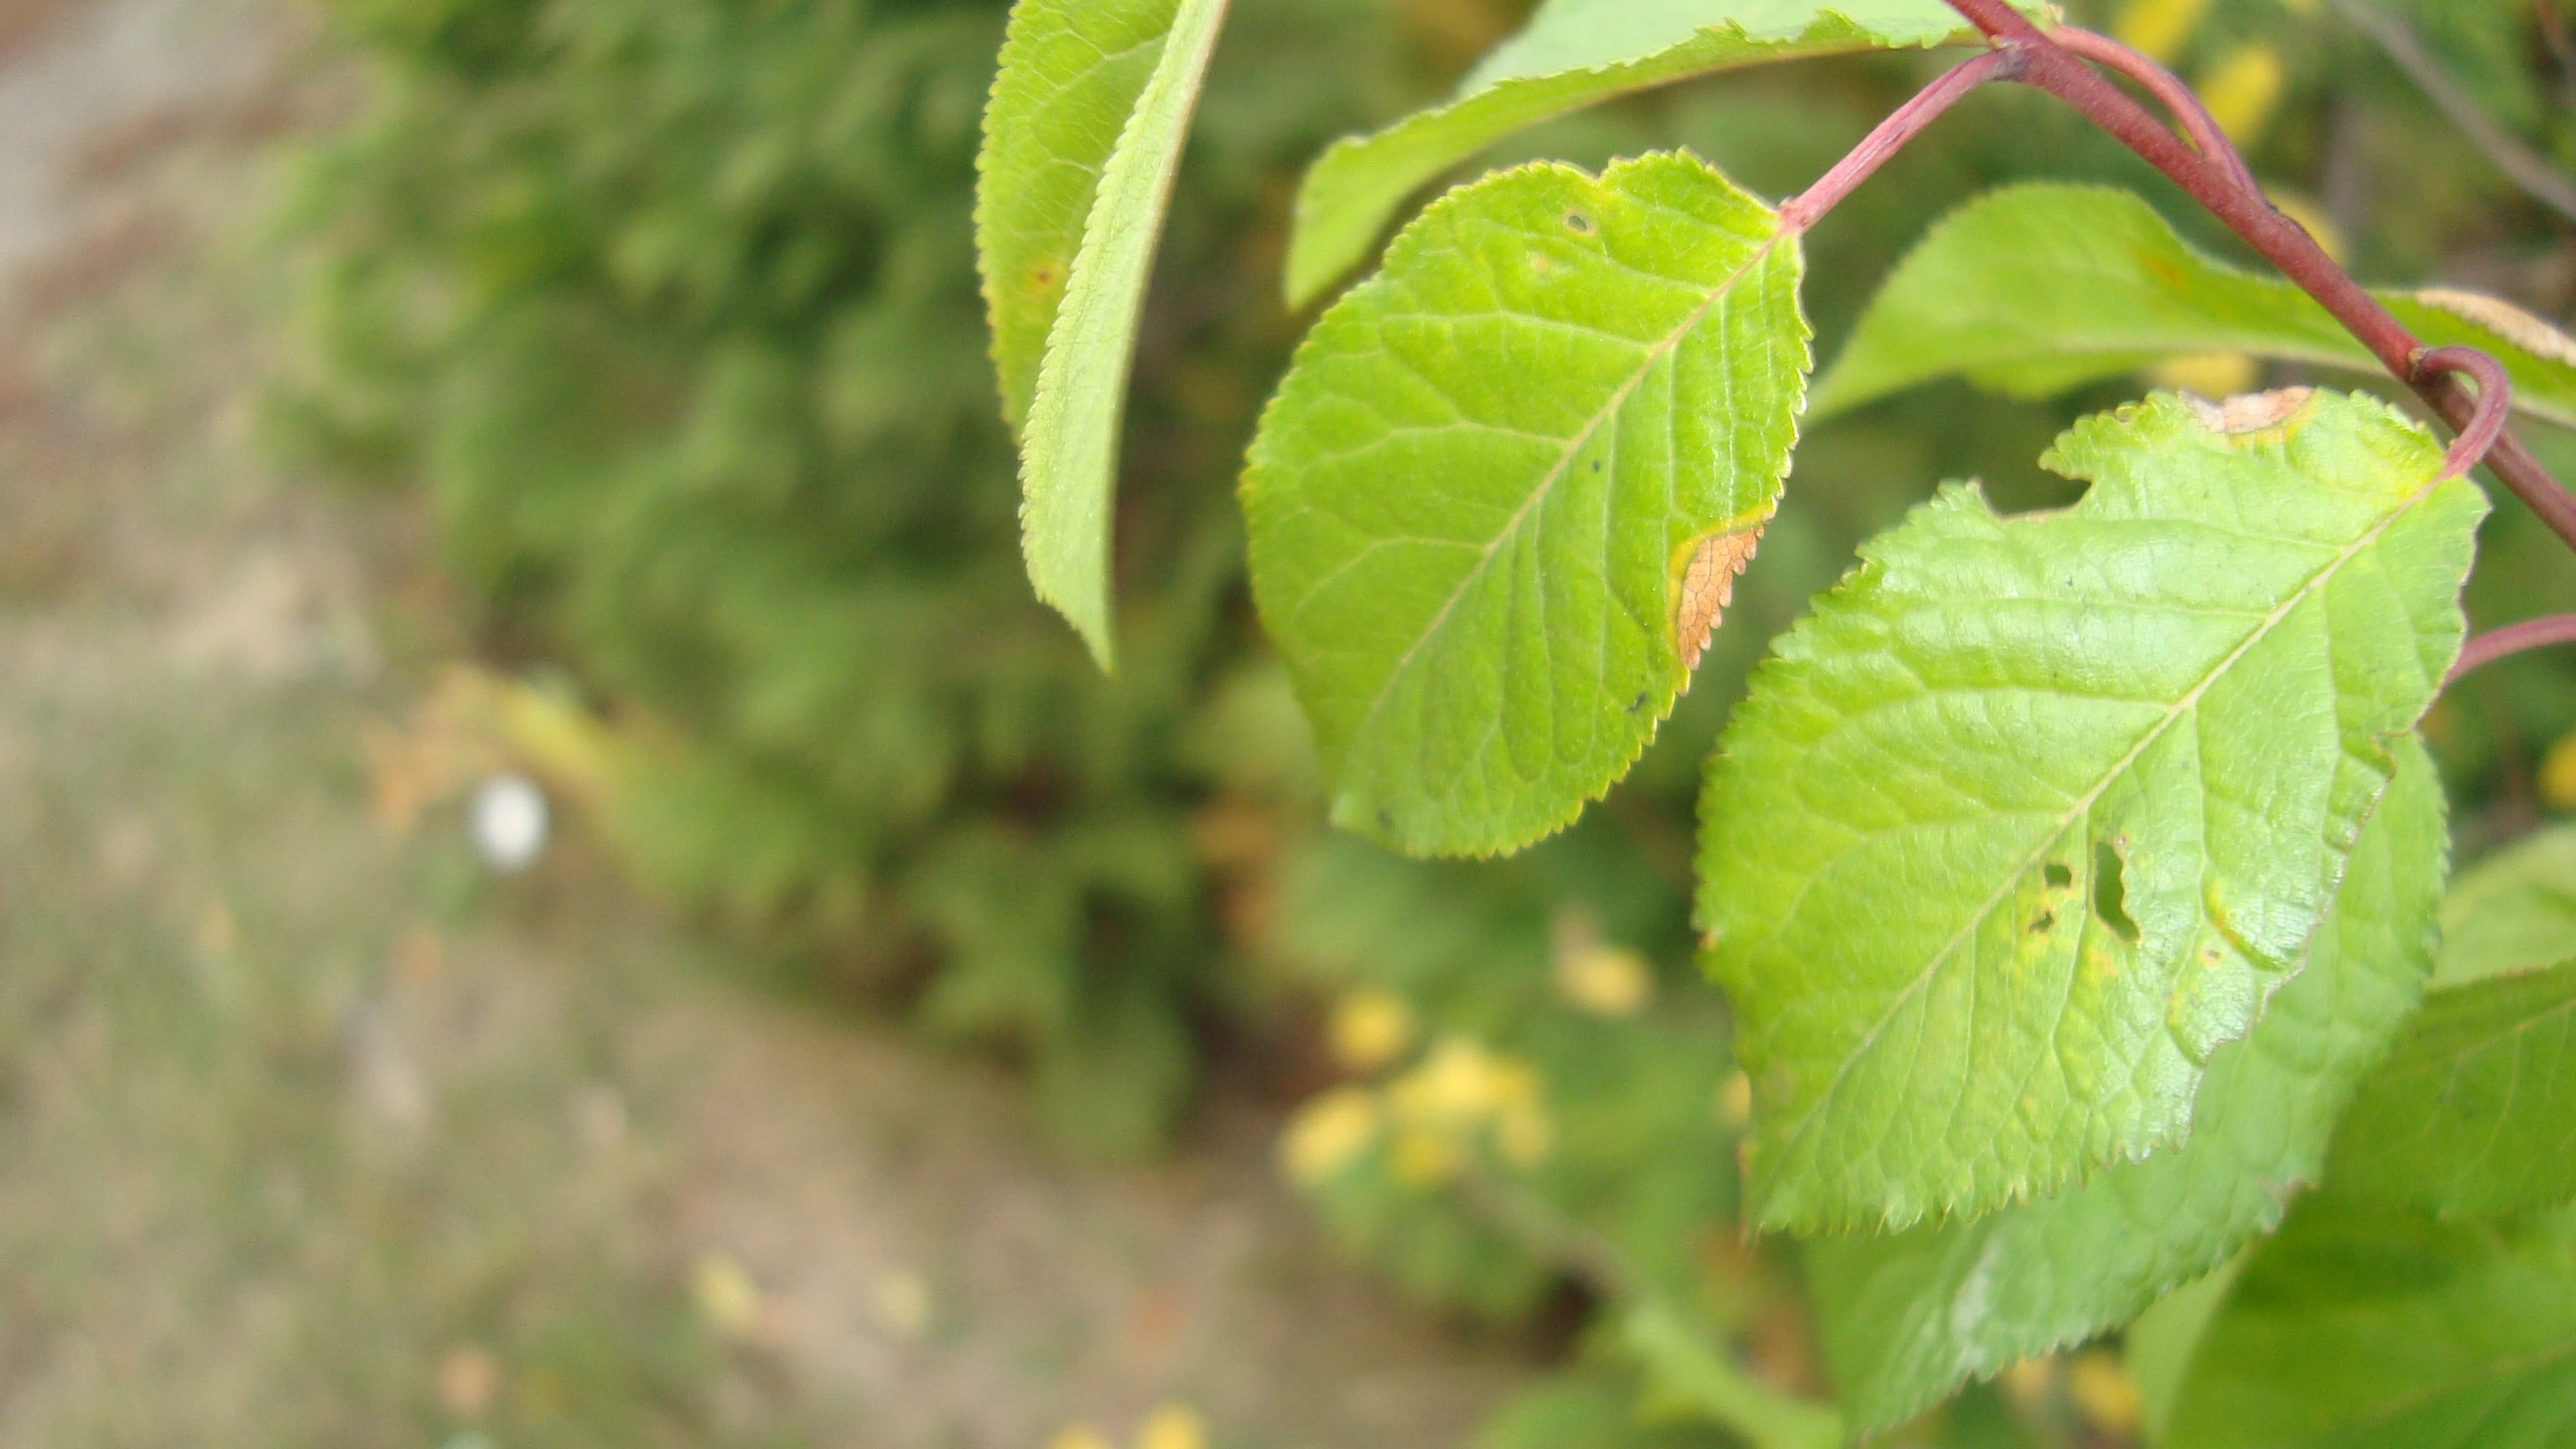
(1573, 54)
(1906, 1317)
(2034, 814)
(2514, 911)
(2474, 1114)
(2362, 1327)
(2035, 290)
(1081, 141)
(1506, 487)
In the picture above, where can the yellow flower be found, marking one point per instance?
(2210, 374)
(1525, 1137)
(727, 1297)
(1370, 1028)
(2558, 776)
(1454, 1086)
(2029, 1382)
(2161, 28)
(1328, 1134)
(2104, 1393)
(1605, 980)
(1424, 1159)
(903, 1303)
(2242, 91)
(1173, 1426)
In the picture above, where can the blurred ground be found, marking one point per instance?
(310, 1133)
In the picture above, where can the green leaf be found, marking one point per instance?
(1498, 503)
(1081, 142)
(2475, 1112)
(2157, 1347)
(2035, 814)
(1906, 1317)
(2515, 911)
(2034, 290)
(2367, 1328)
(1573, 54)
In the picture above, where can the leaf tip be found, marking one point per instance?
(1704, 586)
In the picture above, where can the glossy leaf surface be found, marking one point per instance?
(2032, 815)
(1906, 1317)
(1081, 142)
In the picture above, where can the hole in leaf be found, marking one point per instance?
(2111, 893)
(1577, 223)
(2058, 876)
(2046, 923)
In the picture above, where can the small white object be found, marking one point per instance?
(509, 822)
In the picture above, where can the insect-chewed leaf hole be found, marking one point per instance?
(2111, 892)
(1578, 223)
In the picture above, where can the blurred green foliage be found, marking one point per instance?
(670, 306)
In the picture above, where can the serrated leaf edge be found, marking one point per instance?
(1356, 820)
(2029, 1187)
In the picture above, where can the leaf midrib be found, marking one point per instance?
(2092, 796)
(1662, 347)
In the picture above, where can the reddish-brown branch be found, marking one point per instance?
(1893, 135)
(2510, 640)
(2495, 402)
(2206, 135)
(2211, 182)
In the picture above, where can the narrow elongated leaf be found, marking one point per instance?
(2475, 1112)
(1505, 491)
(1081, 142)
(1906, 1317)
(2034, 814)
(2370, 1328)
(2034, 290)
(2516, 911)
(1573, 54)
(2158, 1344)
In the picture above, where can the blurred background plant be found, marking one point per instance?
(668, 307)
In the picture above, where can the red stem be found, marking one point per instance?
(2510, 640)
(1893, 134)
(2212, 183)
(2495, 402)
(2206, 135)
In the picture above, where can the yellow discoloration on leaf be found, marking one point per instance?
(1705, 586)
(2505, 320)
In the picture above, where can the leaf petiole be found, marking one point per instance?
(2213, 183)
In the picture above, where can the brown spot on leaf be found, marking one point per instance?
(2254, 412)
(1707, 587)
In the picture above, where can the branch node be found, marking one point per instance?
(2495, 401)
